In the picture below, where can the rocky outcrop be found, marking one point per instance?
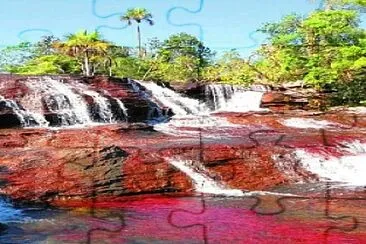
(294, 96)
(17, 90)
(119, 160)
(284, 97)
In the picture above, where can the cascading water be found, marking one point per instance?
(202, 182)
(220, 94)
(155, 113)
(231, 98)
(122, 107)
(102, 106)
(180, 105)
(192, 114)
(61, 99)
(206, 184)
(348, 169)
(26, 118)
(74, 102)
(227, 98)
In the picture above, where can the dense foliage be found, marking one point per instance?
(325, 50)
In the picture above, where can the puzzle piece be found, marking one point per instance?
(213, 222)
(342, 223)
(198, 222)
(35, 34)
(194, 11)
(208, 223)
(205, 31)
(113, 15)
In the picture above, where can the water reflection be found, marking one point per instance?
(324, 216)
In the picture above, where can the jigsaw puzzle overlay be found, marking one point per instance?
(293, 215)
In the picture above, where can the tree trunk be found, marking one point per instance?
(139, 39)
(86, 65)
(328, 5)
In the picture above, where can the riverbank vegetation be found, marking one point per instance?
(325, 50)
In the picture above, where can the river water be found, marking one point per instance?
(301, 218)
(332, 210)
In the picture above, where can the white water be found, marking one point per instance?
(220, 94)
(204, 184)
(194, 125)
(179, 104)
(122, 107)
(228, 98)
(243, 101)
(25, 116)
(191, 113)
(104, 106)
(305, 123)
(67, 101)
(201, 181)
(61, 99)
(349, 168)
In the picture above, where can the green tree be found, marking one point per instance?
(48, 64)
(16, 55)
(46, 46)
(185, 56)
(230, 68)
(325, 49)
(86, 47)
(138, 15)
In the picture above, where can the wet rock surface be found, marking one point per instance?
(117, 160)
(55, 105)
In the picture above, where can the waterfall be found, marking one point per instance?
(220, 94)
(202, 182)
(349, 168)
(26, 118)
(225, 98)
(231, 98)
(180, 105)
(122, 107)
(61, 99)
(155, 113)
(102, 106)
(205, 184)
(51, 101)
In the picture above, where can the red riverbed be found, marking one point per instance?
(102, 178)
(172, 219)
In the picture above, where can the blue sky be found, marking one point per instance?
(222, 25)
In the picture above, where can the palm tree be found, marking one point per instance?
(86, 47)
(138, 15)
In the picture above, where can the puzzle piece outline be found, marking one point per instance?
(199, 9)
(99, 27)
(279, 200)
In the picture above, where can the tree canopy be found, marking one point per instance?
(325, 50)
